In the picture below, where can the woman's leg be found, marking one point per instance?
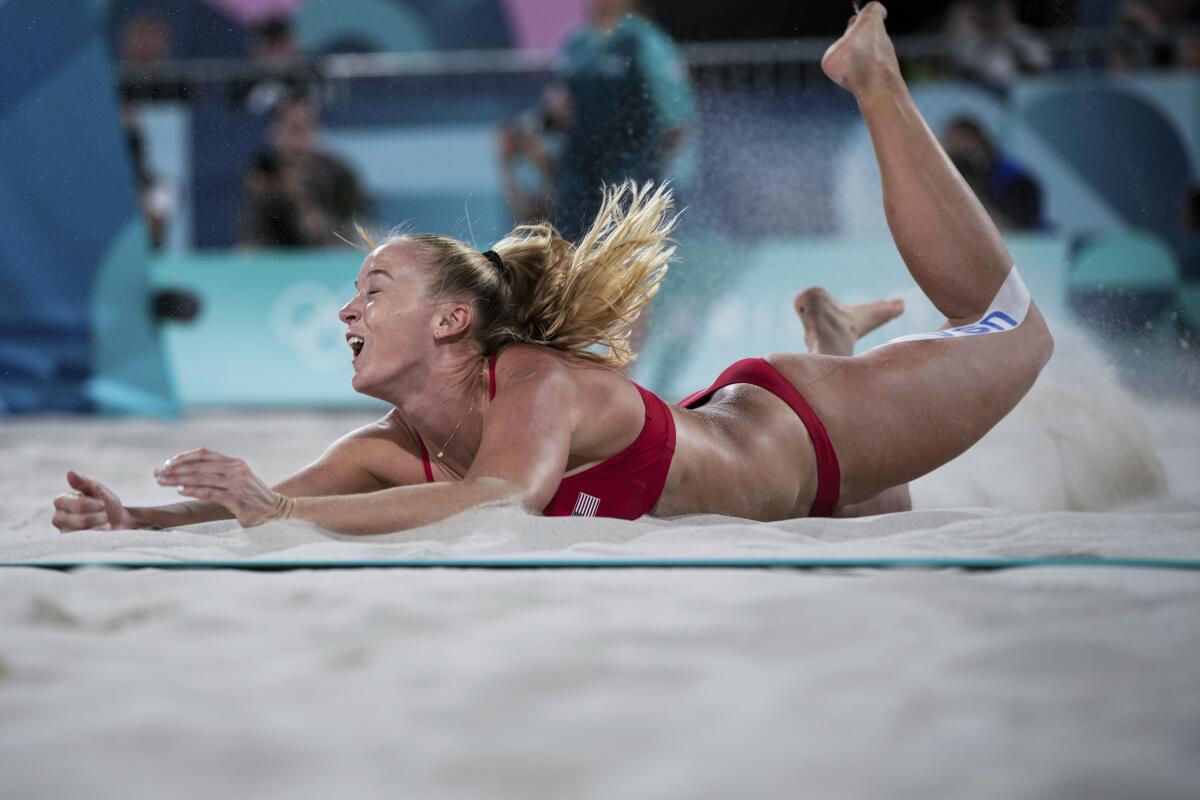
(901, 411)
(942, 231)
(832, 329)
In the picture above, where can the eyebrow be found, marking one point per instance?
(384, 273)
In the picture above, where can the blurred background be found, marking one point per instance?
(176, 174)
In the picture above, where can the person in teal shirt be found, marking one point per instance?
(630, 105)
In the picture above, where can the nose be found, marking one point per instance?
(349, 312)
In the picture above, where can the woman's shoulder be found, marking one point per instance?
(390, 429)
(386, 448)
(590, 399)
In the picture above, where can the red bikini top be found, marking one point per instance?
(626, 485)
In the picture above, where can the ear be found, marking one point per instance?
(452, 321)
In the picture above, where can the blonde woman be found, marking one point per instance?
(500, 369)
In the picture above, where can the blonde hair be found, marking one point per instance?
(581, 299)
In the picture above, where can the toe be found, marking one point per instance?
(869, 316)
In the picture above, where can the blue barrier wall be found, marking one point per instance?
(268, 333)
(75, 329)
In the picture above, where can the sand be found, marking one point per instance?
(1038, 682)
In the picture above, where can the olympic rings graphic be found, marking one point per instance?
(304, 318)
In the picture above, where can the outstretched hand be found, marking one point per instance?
(208, 475)
(89, 506)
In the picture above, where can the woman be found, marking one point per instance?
(626, 110)
(498, 397)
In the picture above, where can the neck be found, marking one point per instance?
(447, 404)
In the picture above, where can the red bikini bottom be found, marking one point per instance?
(757, 372)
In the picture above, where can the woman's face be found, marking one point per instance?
(389, 320)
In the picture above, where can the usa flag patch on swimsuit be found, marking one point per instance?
(585, 505)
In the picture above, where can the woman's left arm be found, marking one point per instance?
(526, 442)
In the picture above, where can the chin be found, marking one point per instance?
(365, 387)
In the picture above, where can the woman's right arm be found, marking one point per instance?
(351, 465)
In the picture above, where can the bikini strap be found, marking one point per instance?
(492, 376)
(424, 458)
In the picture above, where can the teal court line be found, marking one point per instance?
(907, 563)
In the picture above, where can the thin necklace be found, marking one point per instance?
(470, 411)
(446, 443)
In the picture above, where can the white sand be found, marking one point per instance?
(1046, 682)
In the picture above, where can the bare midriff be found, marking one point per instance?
(742, 454)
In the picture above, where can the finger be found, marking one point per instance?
(87, 486)
(203, 462)
(199, 454)
(94, 521)
(67, 521)
(209, 493)
(66, 497)
(187, 472)
(77, 503)
(212, 481)
(219, 484)
(78, 482)
(202, 479)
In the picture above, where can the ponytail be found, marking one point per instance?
(581, 299)
(575, 298)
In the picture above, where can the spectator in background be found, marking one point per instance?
(275, 43)
(629, 105)
(284, 70)
(155, 198)
(989, 45)
(143, 43)
(1187, 51)
(296, 195)
(144, 39)
(1149, 29)
(529, 147)
(1124, 55)
(1009, 193)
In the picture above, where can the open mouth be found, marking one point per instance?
(356, 344)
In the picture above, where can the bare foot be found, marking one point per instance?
(831, 328)
(864, 55)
